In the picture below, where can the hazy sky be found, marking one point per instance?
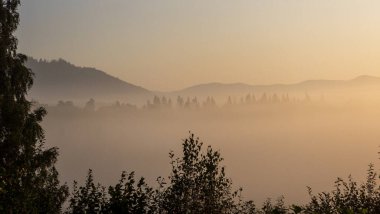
(172, 44)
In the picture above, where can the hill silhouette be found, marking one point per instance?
(360, 84)
(59, 79)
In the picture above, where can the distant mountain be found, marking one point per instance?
(59, 80)
(361, 85)
(365, 79)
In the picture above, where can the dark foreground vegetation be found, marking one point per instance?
(198, 184)
(29, 181)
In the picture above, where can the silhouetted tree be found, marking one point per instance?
(28, 179)
(194, 103)
(130, 197)
(253, 98)
(264, 98)
(198, 183)
(285, 98)
(307, 98)
(248, 99)
(90, 198)
(187, 104)
(275, 98)
(125, 197)
(229, 100)
(180, 101)
(65, 104)
(164, 101)
(209, 103)
(90, 105)
(276, 208)
(156, 101)
(348, 197)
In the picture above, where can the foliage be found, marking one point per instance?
(277, 208)
(130, 197)
(89, 198)
(125, 197)
(348, 197)
(28, 179)
(198, 184)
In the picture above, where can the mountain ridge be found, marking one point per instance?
(60, 80)
(361, 79)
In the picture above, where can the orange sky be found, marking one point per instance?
(172, 44)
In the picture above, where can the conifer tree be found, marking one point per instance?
(28, 179)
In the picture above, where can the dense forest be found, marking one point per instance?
(197, 183)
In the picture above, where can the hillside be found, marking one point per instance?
(58, 79)
(361, 85)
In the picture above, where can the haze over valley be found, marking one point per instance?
(274, 138)
(169, 107)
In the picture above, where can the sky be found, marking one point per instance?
(172, 44)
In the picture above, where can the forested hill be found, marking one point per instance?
(308, 85)
(58, 79)
(359, 87)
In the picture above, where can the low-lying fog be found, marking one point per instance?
(269, 149)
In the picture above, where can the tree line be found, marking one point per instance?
(209, 102)
(194, 103)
